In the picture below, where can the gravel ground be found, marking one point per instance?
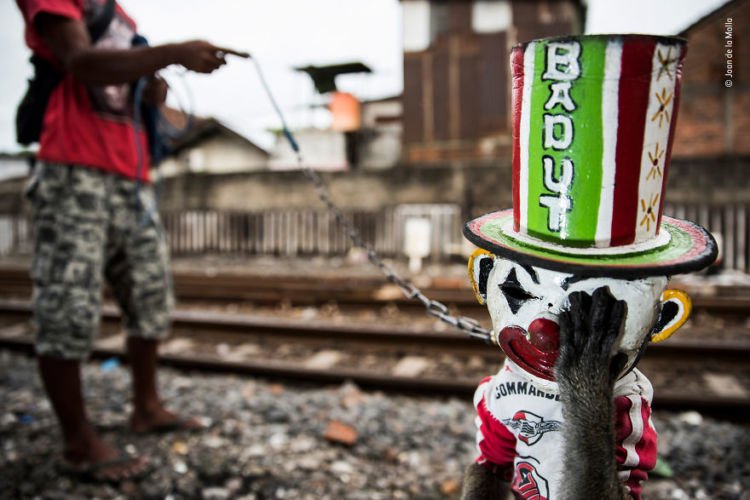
(268, 440)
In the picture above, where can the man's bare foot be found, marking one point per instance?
(91, 458)
(158, 419)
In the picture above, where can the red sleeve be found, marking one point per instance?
(496, 444)
(72, 9)
(64, 8)
(636, 441)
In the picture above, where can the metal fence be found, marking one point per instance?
(316, 232)
(293, 232)
(298, 232)
(278, 232)
(15, 235)
(728, 223)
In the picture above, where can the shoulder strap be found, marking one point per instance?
(99, 25)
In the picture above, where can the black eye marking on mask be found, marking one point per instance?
(485, 267)
(532, 274)
(566, 282)
(513, 292)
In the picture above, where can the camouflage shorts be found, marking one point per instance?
(89, 224)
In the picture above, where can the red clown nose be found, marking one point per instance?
(545, 335)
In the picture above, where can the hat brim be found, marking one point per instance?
(690, 248)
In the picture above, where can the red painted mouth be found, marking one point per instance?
(535, 352)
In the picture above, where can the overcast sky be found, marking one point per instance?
(287, 33)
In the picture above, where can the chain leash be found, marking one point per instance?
(468, 325)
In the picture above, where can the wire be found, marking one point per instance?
(169, 130)
(284, 127)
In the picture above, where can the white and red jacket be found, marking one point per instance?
(519, 430)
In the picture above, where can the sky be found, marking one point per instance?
(284, 34)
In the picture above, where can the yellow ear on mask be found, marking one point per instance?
(475, 274)
(675, 310)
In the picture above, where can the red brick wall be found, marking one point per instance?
(713, 119)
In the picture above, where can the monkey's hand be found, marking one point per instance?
(586, 371)
(588, 332)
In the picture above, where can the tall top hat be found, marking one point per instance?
(593, 122)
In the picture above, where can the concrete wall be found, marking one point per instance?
(364, 189)
(718, 181)
(474, 188)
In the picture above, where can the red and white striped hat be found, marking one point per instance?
(593, 122)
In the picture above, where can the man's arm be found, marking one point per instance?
(70, 42)
(490, 479)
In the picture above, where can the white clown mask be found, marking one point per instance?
(525, 303)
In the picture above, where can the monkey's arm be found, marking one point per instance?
(497, 449)
(482, 483)
(586, 372)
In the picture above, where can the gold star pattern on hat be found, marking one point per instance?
(665, 63)
(649, 215)
(655, 158)
(662, 113)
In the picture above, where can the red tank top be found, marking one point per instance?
(85, 124)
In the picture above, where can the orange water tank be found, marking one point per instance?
(346, 113)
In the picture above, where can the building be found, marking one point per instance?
(205, 145)
(455, 105)
(369, 140)
(715, 91)
(382, 131)
(457, 90)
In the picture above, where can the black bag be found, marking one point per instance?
(31, 109)
(151, 116)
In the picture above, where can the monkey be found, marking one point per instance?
(586, 372)
(572, 339)
(574, 275)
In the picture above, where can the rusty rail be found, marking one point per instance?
(186, 323)
(362, 291)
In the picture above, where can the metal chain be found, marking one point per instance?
(433, 307)
(468, 325)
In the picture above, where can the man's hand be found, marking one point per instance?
(588, 332)
(202, 56)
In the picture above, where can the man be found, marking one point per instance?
(92, 217)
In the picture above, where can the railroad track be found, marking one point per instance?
(348, 292)
(710, 376)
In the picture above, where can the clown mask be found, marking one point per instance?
(525, 303)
